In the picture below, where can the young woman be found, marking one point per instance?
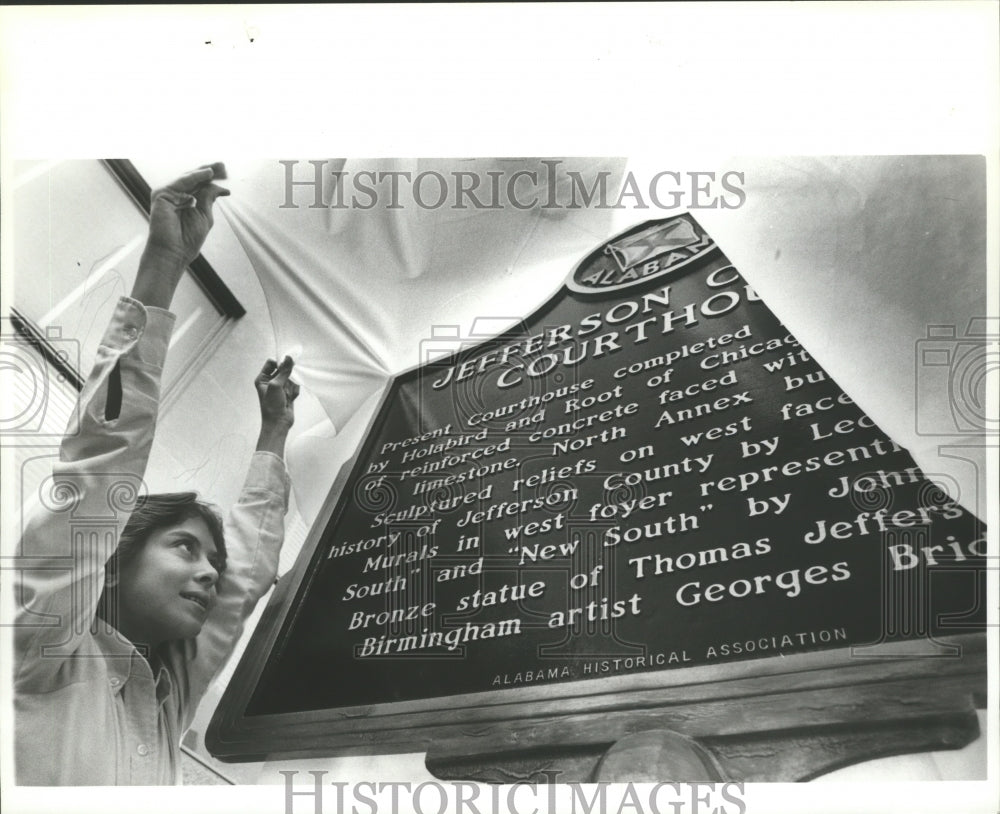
(129, 604)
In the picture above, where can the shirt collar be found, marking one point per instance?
(124, 661)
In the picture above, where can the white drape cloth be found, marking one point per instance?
(858, 256)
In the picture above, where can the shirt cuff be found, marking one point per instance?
(268, 471)
(144, 331)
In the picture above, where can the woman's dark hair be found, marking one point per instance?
(151, 513)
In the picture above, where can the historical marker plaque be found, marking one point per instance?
(649, 474)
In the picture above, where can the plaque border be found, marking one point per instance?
(744, 698)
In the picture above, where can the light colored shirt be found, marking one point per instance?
(88, 708)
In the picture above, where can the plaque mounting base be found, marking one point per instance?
(796, 731)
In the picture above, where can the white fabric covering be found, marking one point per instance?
(856, 255)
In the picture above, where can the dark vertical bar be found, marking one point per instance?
(218, 292)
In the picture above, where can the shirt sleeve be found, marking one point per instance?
(65, 544)
(254, 532)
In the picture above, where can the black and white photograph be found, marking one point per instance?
(540, 408)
